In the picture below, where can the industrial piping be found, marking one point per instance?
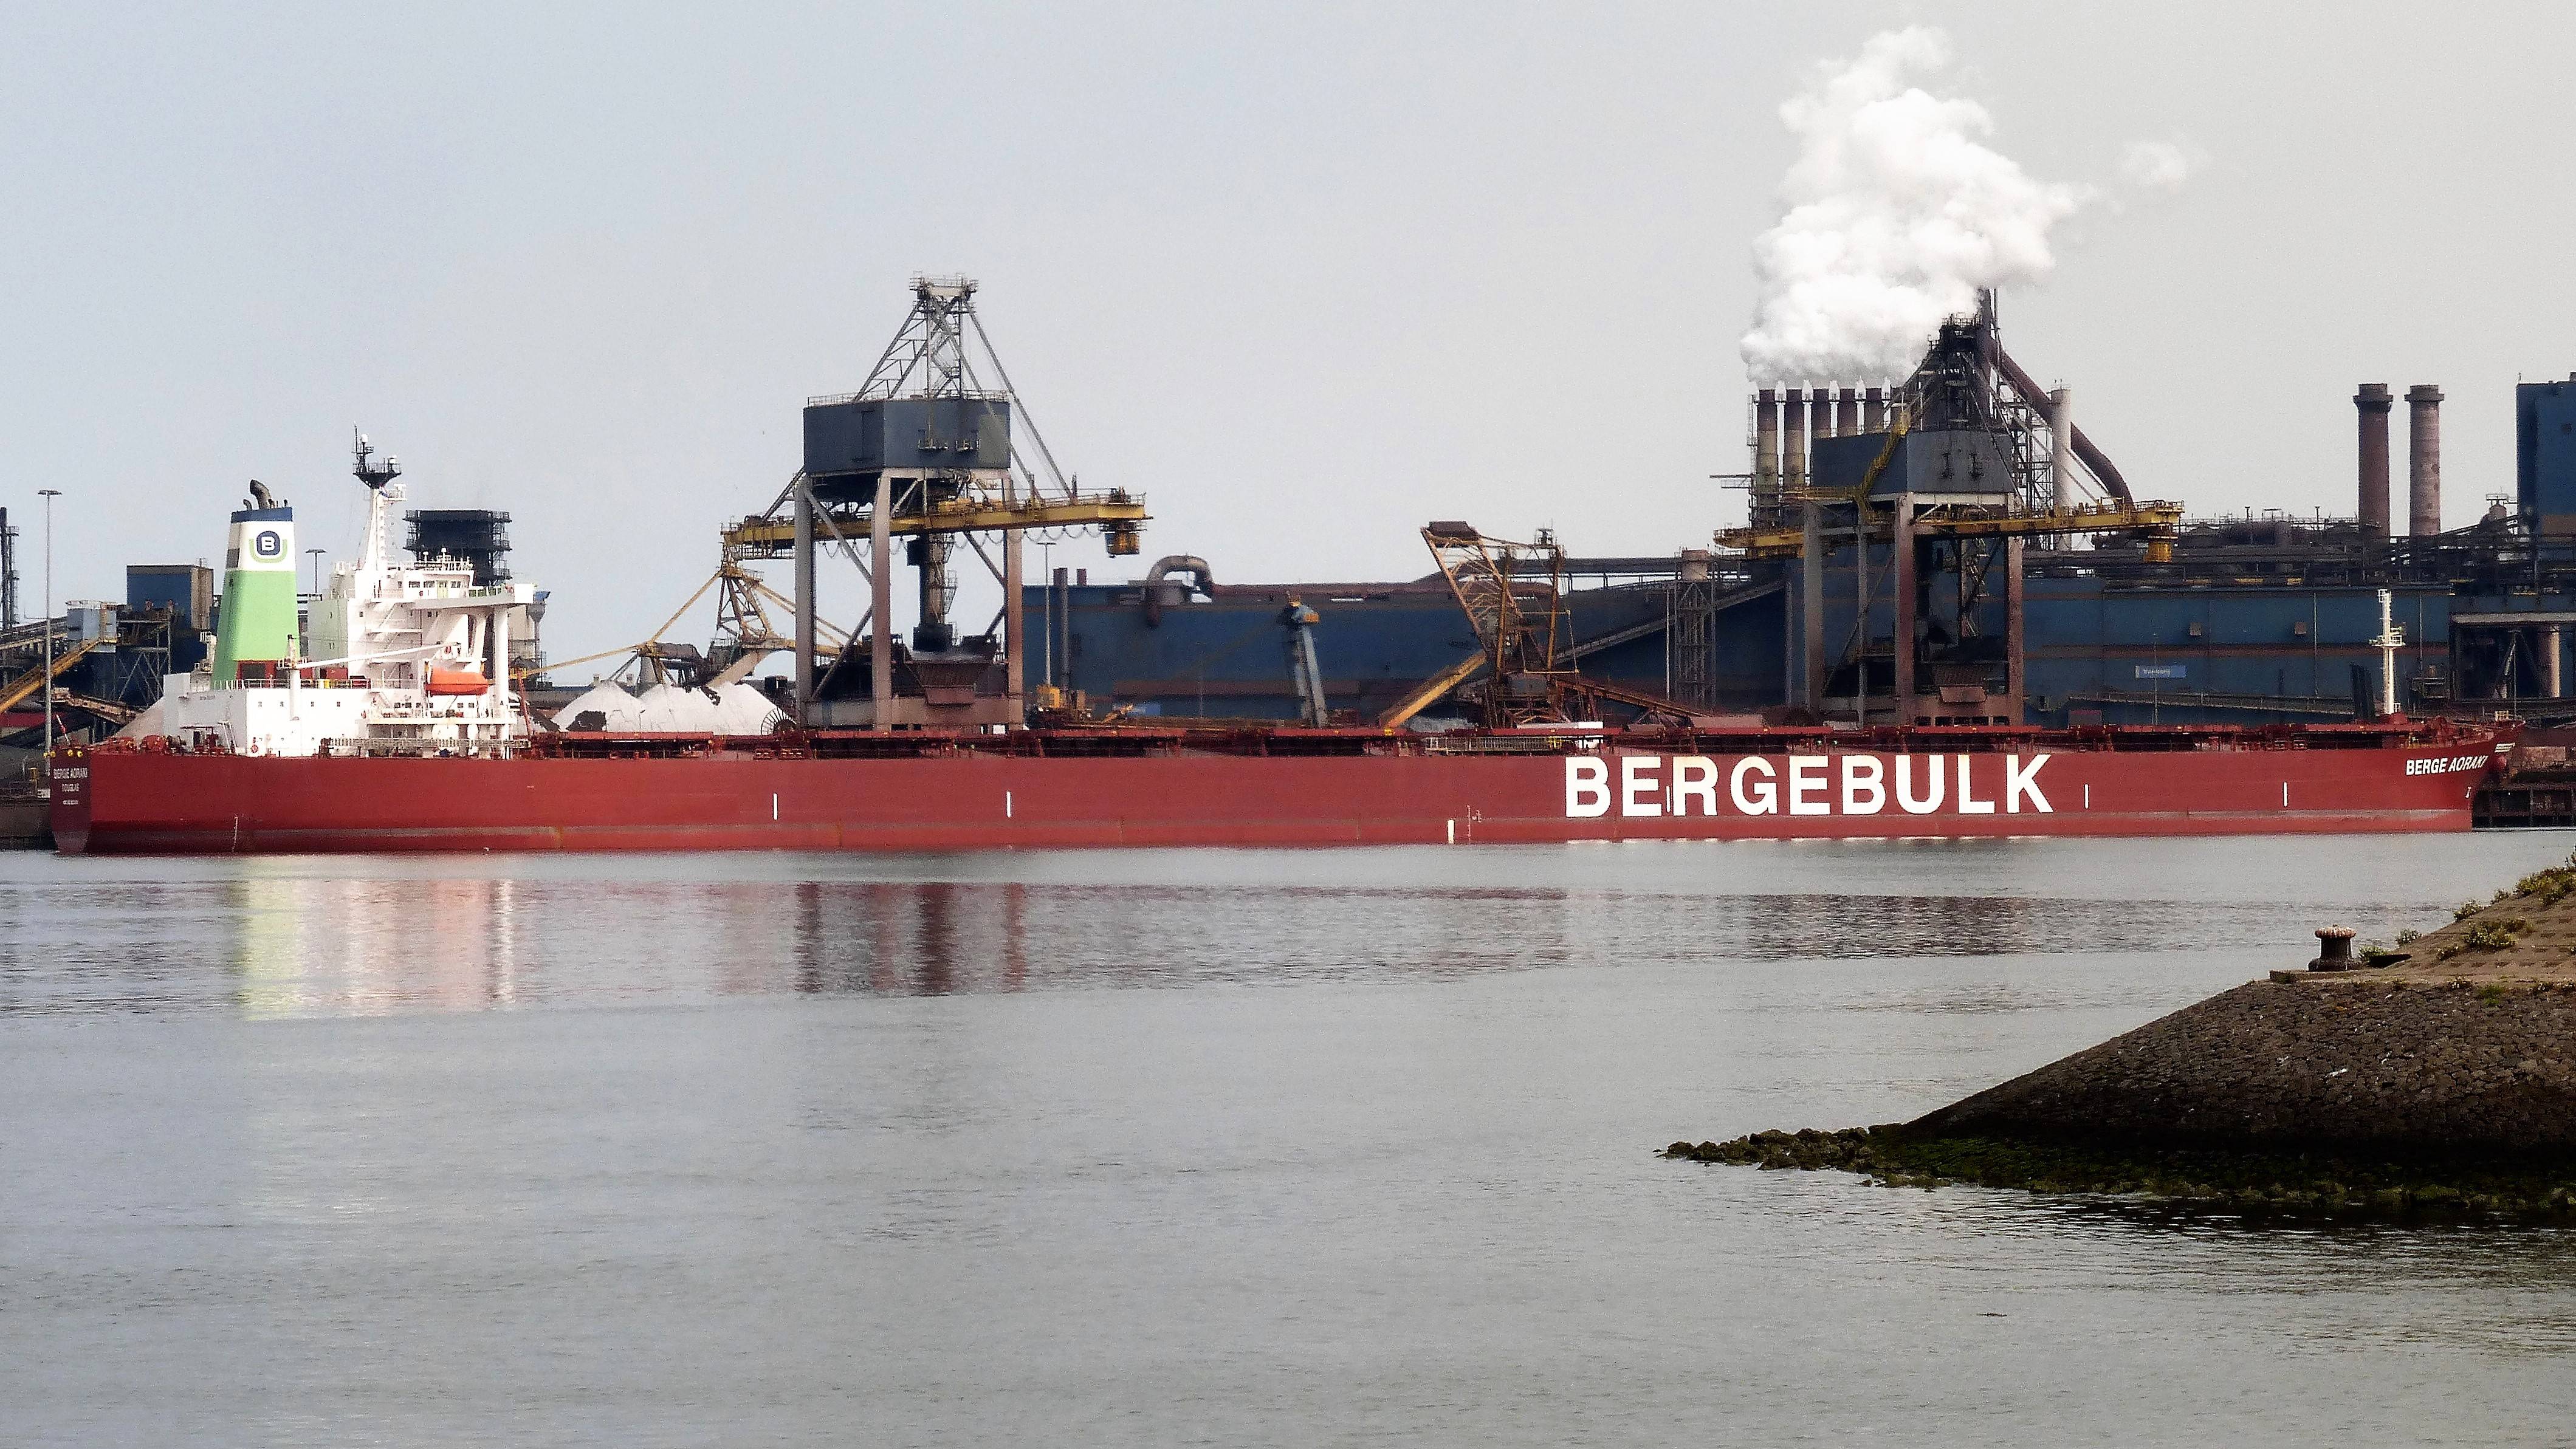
(2091, 456)
(1158, 591)
(2371, 405)
(1182, 563)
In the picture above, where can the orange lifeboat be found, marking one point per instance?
(457, 681)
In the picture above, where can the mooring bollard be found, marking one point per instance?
(2334, 949)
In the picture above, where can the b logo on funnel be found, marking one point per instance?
(267, 544)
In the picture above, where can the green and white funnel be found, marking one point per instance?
(257, 619)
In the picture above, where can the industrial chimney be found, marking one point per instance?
(2372, 404)
(1820, 402)
(2424, 459)
(2061, 452)
(1847, 413)
(1873, 411)
(1766, 459)
(1793, 441)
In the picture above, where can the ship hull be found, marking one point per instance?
(964, 799)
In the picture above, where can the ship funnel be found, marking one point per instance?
(256, 619)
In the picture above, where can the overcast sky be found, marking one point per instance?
(1306, 276)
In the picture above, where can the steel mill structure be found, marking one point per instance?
(1962, 511)
(1949, 546)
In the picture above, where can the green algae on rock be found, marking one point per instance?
(2268, 1182)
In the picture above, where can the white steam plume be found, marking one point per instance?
(2155, 165)
(1897, 214)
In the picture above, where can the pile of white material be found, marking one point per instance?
(614, 706)
(735, 709)
(146, 723)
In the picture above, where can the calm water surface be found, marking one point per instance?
(1187, 1147)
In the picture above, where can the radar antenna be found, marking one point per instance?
(373, 475)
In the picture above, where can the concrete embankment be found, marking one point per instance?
(24, 825)
(2408, 1066)
(2440, 1072)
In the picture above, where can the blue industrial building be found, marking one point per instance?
(2544, 426)
(2098, 650)
(1162, 647)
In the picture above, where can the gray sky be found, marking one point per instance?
(1307, 276)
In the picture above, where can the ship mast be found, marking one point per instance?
(371, 560)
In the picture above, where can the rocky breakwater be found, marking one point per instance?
(2437, 1074)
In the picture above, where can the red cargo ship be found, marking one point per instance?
(393, 722)
(1127, 786)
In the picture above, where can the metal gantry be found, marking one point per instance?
(929, 449)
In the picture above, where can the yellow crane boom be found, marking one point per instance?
(1431, 689)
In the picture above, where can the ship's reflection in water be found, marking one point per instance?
(360, 937)
(356, 947)
(308, 946)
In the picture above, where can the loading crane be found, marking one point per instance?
(1514, 597)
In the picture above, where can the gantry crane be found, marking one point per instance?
(928, 450)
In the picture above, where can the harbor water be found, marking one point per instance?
(1203, 1147)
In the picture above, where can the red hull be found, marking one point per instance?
(979, 794)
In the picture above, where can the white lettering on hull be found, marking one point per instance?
(1807, 777)
(1652, 786)
(1761, 797)
(1906, 800)
(1694, 778)
(1639, 793)
(1862, 792)
(2021, 780)
(1587, 788)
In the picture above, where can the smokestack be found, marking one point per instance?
(1847, 413)
(1820, 401)
(1873, 410)
(2061, 446)
(1766, 458)
(2424, 459)
(1793, 441)
(2372, 404)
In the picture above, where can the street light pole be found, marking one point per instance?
(315, 554)
(49, 495)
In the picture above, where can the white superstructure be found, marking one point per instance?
(397, 659)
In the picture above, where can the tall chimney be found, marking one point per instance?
(1873, 410)
(1793, 441)
(2371, 405)
(2424, 459)
(1847, 413)
(1766, 458)
(2061, 448)
(1820, 402)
